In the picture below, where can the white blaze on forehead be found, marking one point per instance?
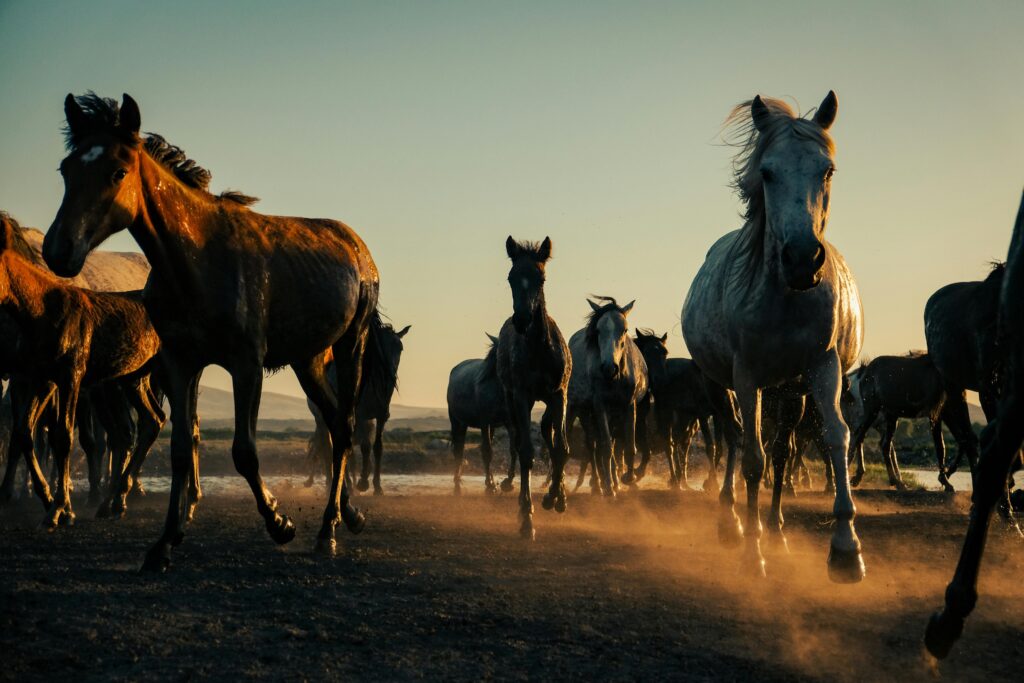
(92, 154)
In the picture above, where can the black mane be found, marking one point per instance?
(490, 366)
(531, 250)
(607, 304)
(103, 114)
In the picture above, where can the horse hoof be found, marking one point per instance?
(103, 511)
(355, 521)
(548, 501)
(137, 491)
(326, 547)
(490, 488)
(776, 541)
(854, 481)
(528, 532)
(948, 488)
(191, 513)
(730, 532)
(752, 565)
(158, 560)
(560, 504)
(281, 529)
(628, 478)
(362, 485)
(942, 632)
(508, 485)
(378, 491)
(845, 566)
(67, 518)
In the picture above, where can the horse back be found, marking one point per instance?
(122, 336)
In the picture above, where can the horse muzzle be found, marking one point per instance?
(802, 264)
(61, 255)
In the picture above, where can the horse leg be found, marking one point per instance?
(845, 563)
(958, 419)
(93, 457)
(508, 484)
(730, 529)
(682, 454)
(61, 432)
(554, 415)
(749, 396)
(458, 449)
(790, 410)
(150, 421)
(643, 441)
(27, 406)
(935, 422)
(628, 440)
(365, 447)
(378, 454)
(519, 415)
(603, 452)
(487, 455)
(711, 452)
(868, 416)
(885, 448)
(1001, 440)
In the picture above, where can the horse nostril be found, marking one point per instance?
(819, 257)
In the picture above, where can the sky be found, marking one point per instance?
(436, 129)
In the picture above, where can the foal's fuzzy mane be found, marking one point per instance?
(19, 244)
(531, 250)
(103, 114)
(645, 335)
(607, 304)
(740, 132)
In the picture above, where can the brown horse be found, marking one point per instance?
(228, 286)
(1000, 444)
(70, 339)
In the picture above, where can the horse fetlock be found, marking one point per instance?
(363, 484)
(280, 528)
(730, 529)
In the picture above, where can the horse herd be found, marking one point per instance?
(773, 320)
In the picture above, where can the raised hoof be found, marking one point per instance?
(508, 485)
(355, 521)
(326, 547)
(548, 501)
(730, 531)
(137, 491)
(281, 529)
(845, 566)
(854, 481)
(942, 633)
(190, 514)
(158, 560)
(362, 485)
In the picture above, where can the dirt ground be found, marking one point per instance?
(442, 588)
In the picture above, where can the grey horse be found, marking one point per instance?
(609, 378)
(774, 303)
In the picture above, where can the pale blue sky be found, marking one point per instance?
(435, 129)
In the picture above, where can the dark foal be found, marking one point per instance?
(533, 364)
(476, 400)
(228, 286)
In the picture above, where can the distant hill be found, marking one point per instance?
(104, 271)
(977, 414)
(280, 412)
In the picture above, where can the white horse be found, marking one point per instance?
(774, 303)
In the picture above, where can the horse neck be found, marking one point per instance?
(538, 333)
(27, 286)
(172, 227)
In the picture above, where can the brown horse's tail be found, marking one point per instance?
(379, 377)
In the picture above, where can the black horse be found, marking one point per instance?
(534, 364)
(373, 410)
(476, 400)
(1000, 441)
(684, 398)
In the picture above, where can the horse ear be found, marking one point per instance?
(494, 340)
(664, 338)
(402, 332)
(511, 248)
(759, 114)
(826, 114)
(129, 119)
(628, 307)
(596, 307)
(545, 249)
(77, 121)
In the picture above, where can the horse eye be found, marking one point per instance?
(766, 175)
(119, 175)
(829, 173)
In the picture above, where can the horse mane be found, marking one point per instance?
(380, 375)
(915, 353)
(103, 115)
(19, 244)
(740, 132)
(645, 335)
(607, 304)
(490, 367)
